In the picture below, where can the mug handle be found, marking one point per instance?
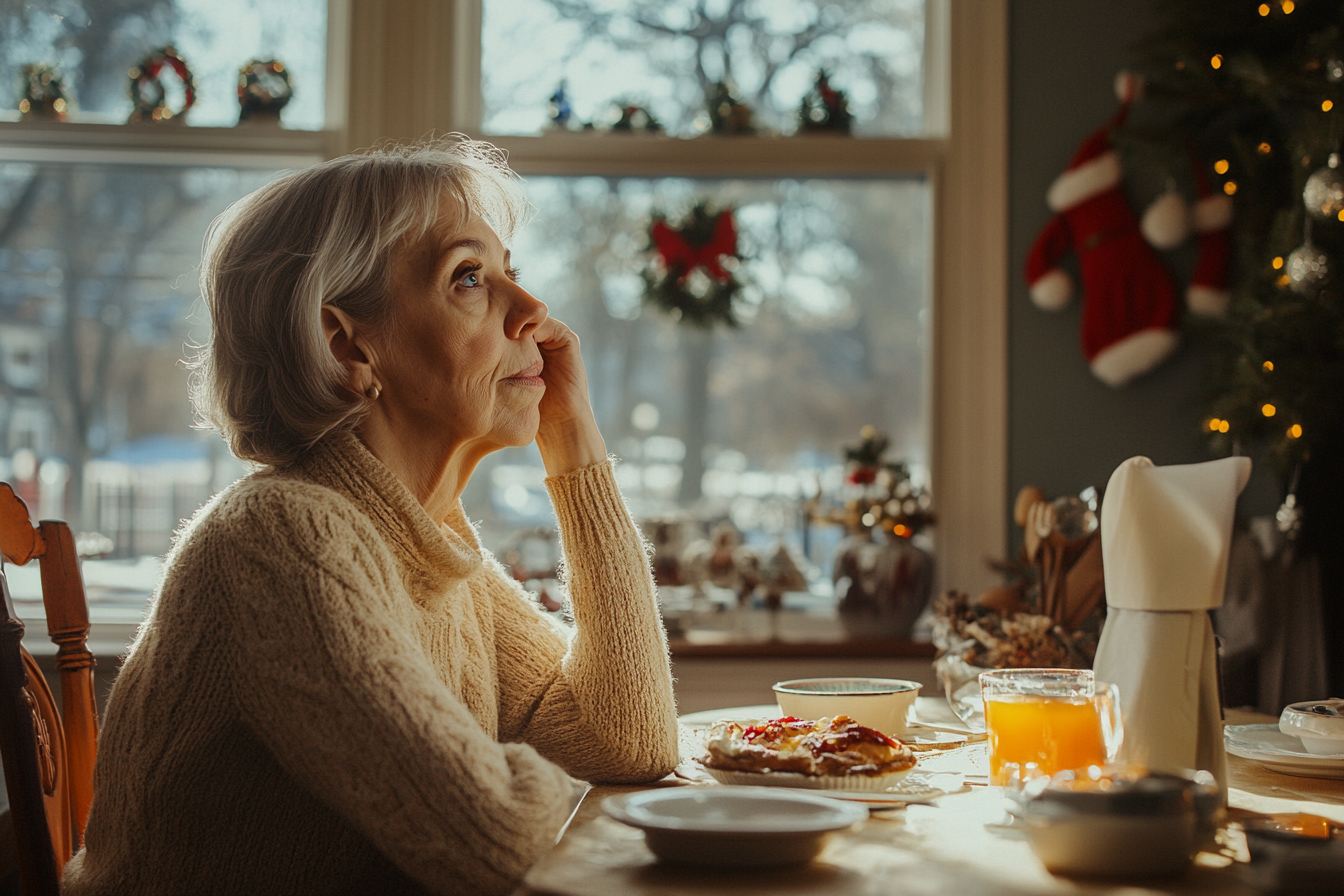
(1112, 727)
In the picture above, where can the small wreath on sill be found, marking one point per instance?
(693, 277)
(147, 90)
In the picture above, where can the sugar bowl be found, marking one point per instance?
(1121, 823)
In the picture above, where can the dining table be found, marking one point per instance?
(962, 843)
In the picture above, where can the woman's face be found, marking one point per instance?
(459, 366)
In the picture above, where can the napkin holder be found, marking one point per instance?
(1166, 534)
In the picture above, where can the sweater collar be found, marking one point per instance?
(430, 554)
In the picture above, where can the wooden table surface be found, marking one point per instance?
(938, 849)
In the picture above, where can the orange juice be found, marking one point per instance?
(1053, 733)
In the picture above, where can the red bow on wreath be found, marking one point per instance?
(682, 256)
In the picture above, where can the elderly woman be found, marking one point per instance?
(337, 689)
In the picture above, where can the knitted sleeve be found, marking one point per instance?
(332, 678)
(603, 708)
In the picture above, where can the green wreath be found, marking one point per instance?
(693, 275)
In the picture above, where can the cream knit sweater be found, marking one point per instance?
(334, 694)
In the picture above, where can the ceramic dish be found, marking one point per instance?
(886, 704)
(741, 826)
(851, 783)
(1317, 723)
(1280, 752)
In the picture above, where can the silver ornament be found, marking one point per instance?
(1289, 517)
(1308, 269)
(1324, 192)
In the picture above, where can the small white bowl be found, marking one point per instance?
(887, 704)
(1320, 734)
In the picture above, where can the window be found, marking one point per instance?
(101, 224)
(930, 119)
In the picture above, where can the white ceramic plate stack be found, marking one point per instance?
(1280, 752)
(741, 826)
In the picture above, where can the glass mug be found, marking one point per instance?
(1043, 721)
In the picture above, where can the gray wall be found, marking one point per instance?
(1068, 430)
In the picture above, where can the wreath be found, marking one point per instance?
(693, 276)
(147, 91)
(264, 89)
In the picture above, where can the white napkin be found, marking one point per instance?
(1165, 537)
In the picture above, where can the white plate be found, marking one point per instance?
(828, 783)
(733, 825)
(1270, 747)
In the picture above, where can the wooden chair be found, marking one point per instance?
(48, 762)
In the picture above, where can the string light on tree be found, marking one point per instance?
(1267, 367)
(1268, 410)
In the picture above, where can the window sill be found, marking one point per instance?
(254, 146)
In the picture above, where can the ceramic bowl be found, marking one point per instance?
(1321, 732)
(1148, 825)
(887, 704)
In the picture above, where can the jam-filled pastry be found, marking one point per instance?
(827, 747)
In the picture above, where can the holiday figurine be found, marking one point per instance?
(561, 109)
(824, 108)
(1129, 299)
(264, 89)
(43, 93)
(727, 114)
(630, 118)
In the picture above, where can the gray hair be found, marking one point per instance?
(324, 236)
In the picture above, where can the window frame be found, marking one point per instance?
(963, 158)
(377, 49)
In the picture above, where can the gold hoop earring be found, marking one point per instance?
(372, 393)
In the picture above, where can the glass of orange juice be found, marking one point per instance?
(1043, 721)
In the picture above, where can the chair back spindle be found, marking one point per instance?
(54, 752)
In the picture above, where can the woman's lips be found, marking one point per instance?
(530, 376)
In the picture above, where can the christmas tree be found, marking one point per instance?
(1249, 97)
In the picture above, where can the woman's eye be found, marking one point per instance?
(471, 278)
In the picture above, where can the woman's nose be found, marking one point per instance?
(527, 313)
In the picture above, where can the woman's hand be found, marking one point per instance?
(568, 436)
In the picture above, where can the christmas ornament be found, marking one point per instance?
(1288, 518)
(147, 92)
(1208, 293)
(1166, 223)
(1129, 309)
(264, 89)
(824, 108)
(693, 276)
(862, 460)
(561, 110)
(727, 114)
(1334, 70)
(1324, 192)
(1307, 267)
(44, 95)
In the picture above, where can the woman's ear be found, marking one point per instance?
(349, 347)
